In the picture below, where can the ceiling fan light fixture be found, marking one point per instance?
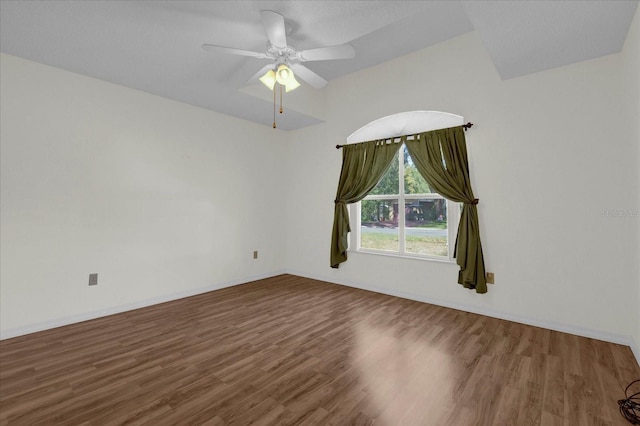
(269, 79)
(281, 75)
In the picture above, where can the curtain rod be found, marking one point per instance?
(466, 126)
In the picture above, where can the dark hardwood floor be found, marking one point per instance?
(290, 350)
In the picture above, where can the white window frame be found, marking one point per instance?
(392, 126)
(453, 218)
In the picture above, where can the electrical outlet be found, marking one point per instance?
(93, 279)
(491, 279)
(255, 254)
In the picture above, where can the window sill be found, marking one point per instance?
(404, 256)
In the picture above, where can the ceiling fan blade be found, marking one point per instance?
(233, 51)
(274, 26)
(344, 51)
(256, 76)
(309, 76)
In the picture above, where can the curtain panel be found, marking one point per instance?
(363, 165)
(441, 158)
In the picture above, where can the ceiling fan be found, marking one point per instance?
(287, 61)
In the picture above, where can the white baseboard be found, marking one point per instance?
(33, 328)
(550, 325)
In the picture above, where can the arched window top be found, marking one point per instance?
(405, 123)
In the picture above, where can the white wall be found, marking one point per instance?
(159, 198)
(631, 65)
(549, 153)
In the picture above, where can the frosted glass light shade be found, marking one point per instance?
(269, 79)
(283, 74)
(292, 83)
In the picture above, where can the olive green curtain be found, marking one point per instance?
(441, 158)
(363, 165)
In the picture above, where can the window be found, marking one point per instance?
(403, 216)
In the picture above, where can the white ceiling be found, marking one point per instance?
(155, 46)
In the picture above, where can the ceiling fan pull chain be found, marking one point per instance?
(280, 98)
(274, 109)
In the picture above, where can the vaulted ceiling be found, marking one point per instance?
(155, 46)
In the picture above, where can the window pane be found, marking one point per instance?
(388, 185)
(379, 225)
(414, 183)
(426, 227)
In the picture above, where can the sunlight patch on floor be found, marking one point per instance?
(397, 372)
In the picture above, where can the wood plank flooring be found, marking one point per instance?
(294, 351)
